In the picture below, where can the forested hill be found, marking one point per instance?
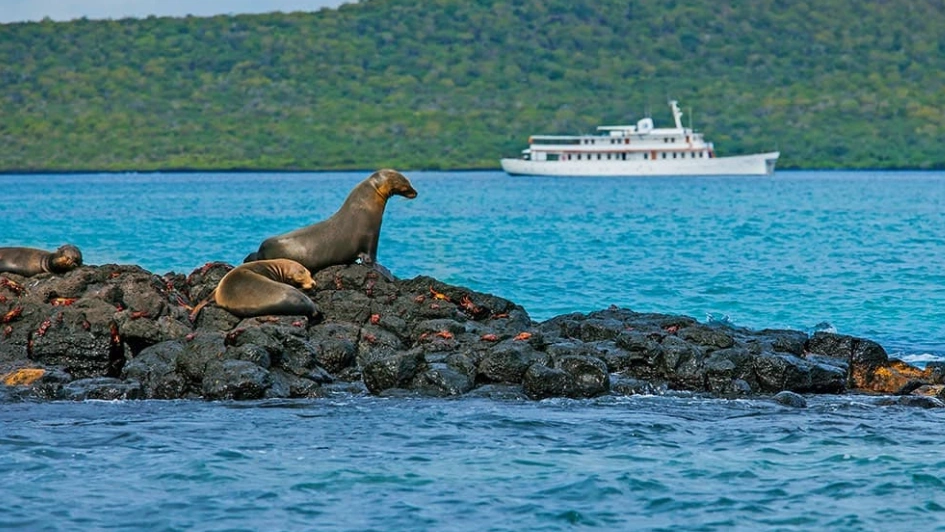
(460, 83)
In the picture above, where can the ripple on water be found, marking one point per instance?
(368, 464)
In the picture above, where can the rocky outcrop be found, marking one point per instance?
(120, 332)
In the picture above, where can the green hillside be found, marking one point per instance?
(460, 83)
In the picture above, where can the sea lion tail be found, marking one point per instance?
(199, 306)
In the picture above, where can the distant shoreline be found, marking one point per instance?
(357, 170)
(233, 171)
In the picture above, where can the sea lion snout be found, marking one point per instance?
(69, 255)
(395, 183)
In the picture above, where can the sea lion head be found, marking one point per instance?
(296, 274)
(389, 183)
(67, 257)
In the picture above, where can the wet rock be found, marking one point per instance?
(155, 368)
(102, 388)
(790, 399)
(442, 380)
(375, 343)
(508, 362)
(216, 319)
(929, 390)
(35, 382)
(286, 384)
(682, 364)
(727, 369)
(862, 356)
(899, 378)
(629, 386)
(298, 356)
(588, 374)
(337, 343)
(199, 351)
(82, 339)
(235, 379)
(394, 371)
(779, 372)
(139, 333)
(387, 336)
(710, 338)
(919, 401)
(573, 376)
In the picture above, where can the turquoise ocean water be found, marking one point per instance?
(857, 252)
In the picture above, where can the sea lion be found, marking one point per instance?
(349, 234)
(262, 288)
(30, 261)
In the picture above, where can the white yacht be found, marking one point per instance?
(634, 151)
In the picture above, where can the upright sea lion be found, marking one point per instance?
(31, 261)
(262, 287)
(349, 234)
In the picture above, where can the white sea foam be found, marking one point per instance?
(919, 359)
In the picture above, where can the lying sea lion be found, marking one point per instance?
(262, 288)
(30, 261)
(349, 234)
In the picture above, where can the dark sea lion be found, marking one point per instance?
(262, 288)
(31, 261)
(349, 234)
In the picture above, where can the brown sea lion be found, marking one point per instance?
(349, 234)
(262, 288)
(31, 261)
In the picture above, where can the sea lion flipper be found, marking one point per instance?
(251, 257)
(199, 306)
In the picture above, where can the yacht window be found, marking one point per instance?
(646, 155)
(674, 155)
(664, 154)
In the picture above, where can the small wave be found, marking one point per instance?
(720, 319)
(921, 359)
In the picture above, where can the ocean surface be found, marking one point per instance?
(858, 253)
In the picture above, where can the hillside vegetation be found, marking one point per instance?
(450, 84)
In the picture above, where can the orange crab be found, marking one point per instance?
(12, 315)
(14, 287)
(43, 327)
(439, 295)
